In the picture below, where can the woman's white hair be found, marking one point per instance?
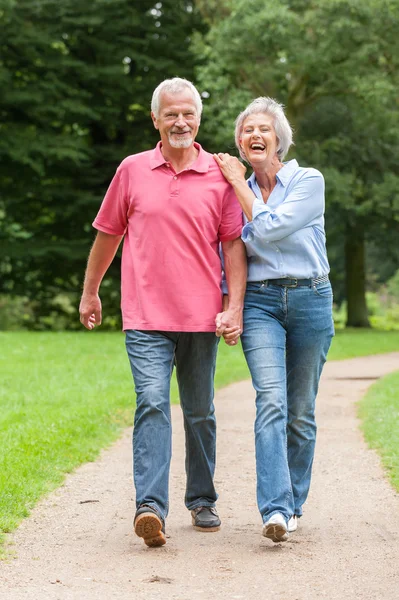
(271, 107)
(174, 86)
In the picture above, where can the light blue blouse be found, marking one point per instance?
(286, 237)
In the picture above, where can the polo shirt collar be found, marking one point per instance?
(201, 163)
(284, 175)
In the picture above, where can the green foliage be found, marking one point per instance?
(77, 80)
(393, 287)
(382, 306)
(335, 66)
(379, 411)
(61, 310)
(15, 312)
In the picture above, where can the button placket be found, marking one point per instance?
(175, 185)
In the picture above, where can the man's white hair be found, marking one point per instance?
(174, 86)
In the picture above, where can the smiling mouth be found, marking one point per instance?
(257, 146)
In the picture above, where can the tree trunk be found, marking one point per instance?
(355, 277)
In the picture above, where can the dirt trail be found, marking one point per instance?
(78, 543)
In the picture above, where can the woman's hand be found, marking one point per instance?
(229, 325)
(231, 167)
(234, 171)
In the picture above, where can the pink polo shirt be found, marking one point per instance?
(171, 269)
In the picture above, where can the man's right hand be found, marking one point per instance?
(90, 310)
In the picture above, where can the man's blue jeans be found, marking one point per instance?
(286, 337)
(152, 356)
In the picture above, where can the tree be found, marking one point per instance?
(76, 81)
(334, 64)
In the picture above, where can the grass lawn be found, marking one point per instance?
(349, 343)
(379, 411)
(64, 396)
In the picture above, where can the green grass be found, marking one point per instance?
(64, 396)
(349, 343)
(379, 411)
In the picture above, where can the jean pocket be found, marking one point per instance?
(323, 290)
(254, 286)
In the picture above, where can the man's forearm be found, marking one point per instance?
(235, 266)
(100, 258)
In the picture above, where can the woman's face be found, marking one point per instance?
(258, 138)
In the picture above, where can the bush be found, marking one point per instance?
(382, 305)
(16, 312)
(57, 311)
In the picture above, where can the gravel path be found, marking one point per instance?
(78, 543)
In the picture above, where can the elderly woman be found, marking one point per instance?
(288, 322)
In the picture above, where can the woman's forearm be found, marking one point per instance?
(245, 197)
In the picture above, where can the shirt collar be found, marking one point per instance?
(284, 175)
(201, 163)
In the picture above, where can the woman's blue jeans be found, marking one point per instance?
(152, 356)
(286, 337)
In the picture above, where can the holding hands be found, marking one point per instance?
(229, 325)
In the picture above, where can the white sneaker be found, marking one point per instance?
(276, 528)
(293, 524)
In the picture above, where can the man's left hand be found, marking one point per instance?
(229, 325)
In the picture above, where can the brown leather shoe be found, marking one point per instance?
(149, 526)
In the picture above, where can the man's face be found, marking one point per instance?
(178, 120)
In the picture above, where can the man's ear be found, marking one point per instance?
(154, 120)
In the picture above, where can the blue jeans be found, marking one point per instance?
(286, 336)
(152, 356)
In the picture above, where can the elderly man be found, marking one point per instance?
(173, 207)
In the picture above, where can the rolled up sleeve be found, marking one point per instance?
(303, 204)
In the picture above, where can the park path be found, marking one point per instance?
(78, 543)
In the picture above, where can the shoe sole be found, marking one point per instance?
(149, 527)
(204, 529)
(275, 532)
